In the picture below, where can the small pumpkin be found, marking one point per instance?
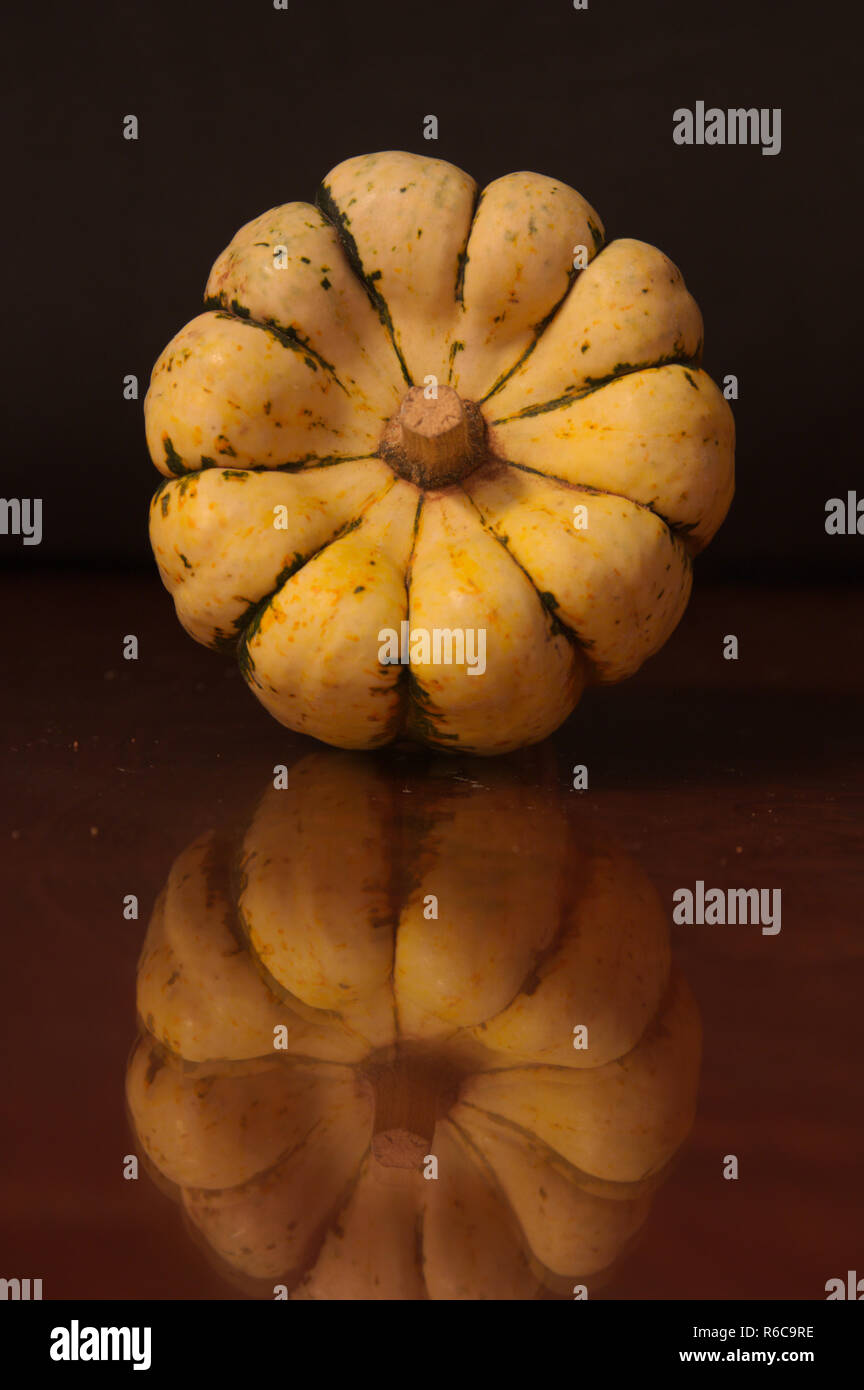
(413, 406)
(406, 1031)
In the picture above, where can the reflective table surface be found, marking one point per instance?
(426, 936)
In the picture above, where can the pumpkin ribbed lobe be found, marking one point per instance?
(434, 441)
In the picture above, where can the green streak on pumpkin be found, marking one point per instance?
(596, 235)
(224, 642)
(621, 369)
(288, 337)
(249, 621)
(538, 330)
(172, 458)
(555, 626)
(455, 348)
(462, 255)
(328, 206)
(421, 712)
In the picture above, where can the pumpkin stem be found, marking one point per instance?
(400, 1148)
(412, 1091)
(434, 441)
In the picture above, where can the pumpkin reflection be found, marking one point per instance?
(360, 1064)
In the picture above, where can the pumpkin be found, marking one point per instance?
(411, 423)
(426, 1002)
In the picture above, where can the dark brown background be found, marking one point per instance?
(242, 107)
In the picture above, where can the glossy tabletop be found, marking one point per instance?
(733, 774)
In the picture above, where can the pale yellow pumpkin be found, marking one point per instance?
(406, 1031)
(410, 406)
